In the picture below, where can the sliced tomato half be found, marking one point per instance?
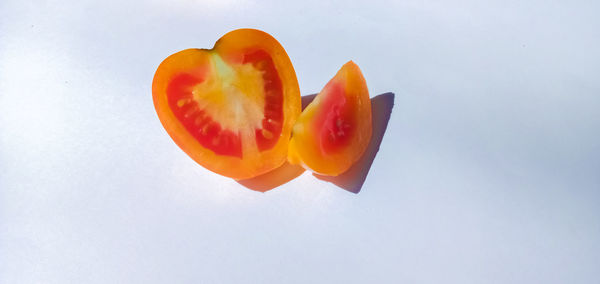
(334, 130)
(230, 108)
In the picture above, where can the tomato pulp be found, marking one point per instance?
(334, 130)
(230, 108)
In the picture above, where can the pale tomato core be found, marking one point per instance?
(210, 133)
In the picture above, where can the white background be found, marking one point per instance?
(488, 171)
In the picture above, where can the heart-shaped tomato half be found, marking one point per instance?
(230, 108)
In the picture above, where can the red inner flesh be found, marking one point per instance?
(272, 122)
(209, 132)
(335, 120)
(195, 120)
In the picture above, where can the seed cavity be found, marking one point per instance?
(271, 113)
(261, 65)
(272, 122)
(182, 102)
(205, 129)
(267, 134)
(191, 112)
(198, 120)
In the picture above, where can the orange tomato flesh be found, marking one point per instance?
(335, 129)
(231, 108)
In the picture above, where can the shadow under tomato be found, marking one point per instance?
(274, 178)
(351, 180)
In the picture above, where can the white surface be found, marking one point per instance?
(488, 172)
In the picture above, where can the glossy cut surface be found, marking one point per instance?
(334, 130)
(230, 108)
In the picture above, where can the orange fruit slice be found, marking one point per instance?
(334, 130)
(230, 108)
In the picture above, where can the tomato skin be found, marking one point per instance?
(246, 151)
(335, 129)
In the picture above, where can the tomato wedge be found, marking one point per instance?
(334, 130)
(230, 108)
